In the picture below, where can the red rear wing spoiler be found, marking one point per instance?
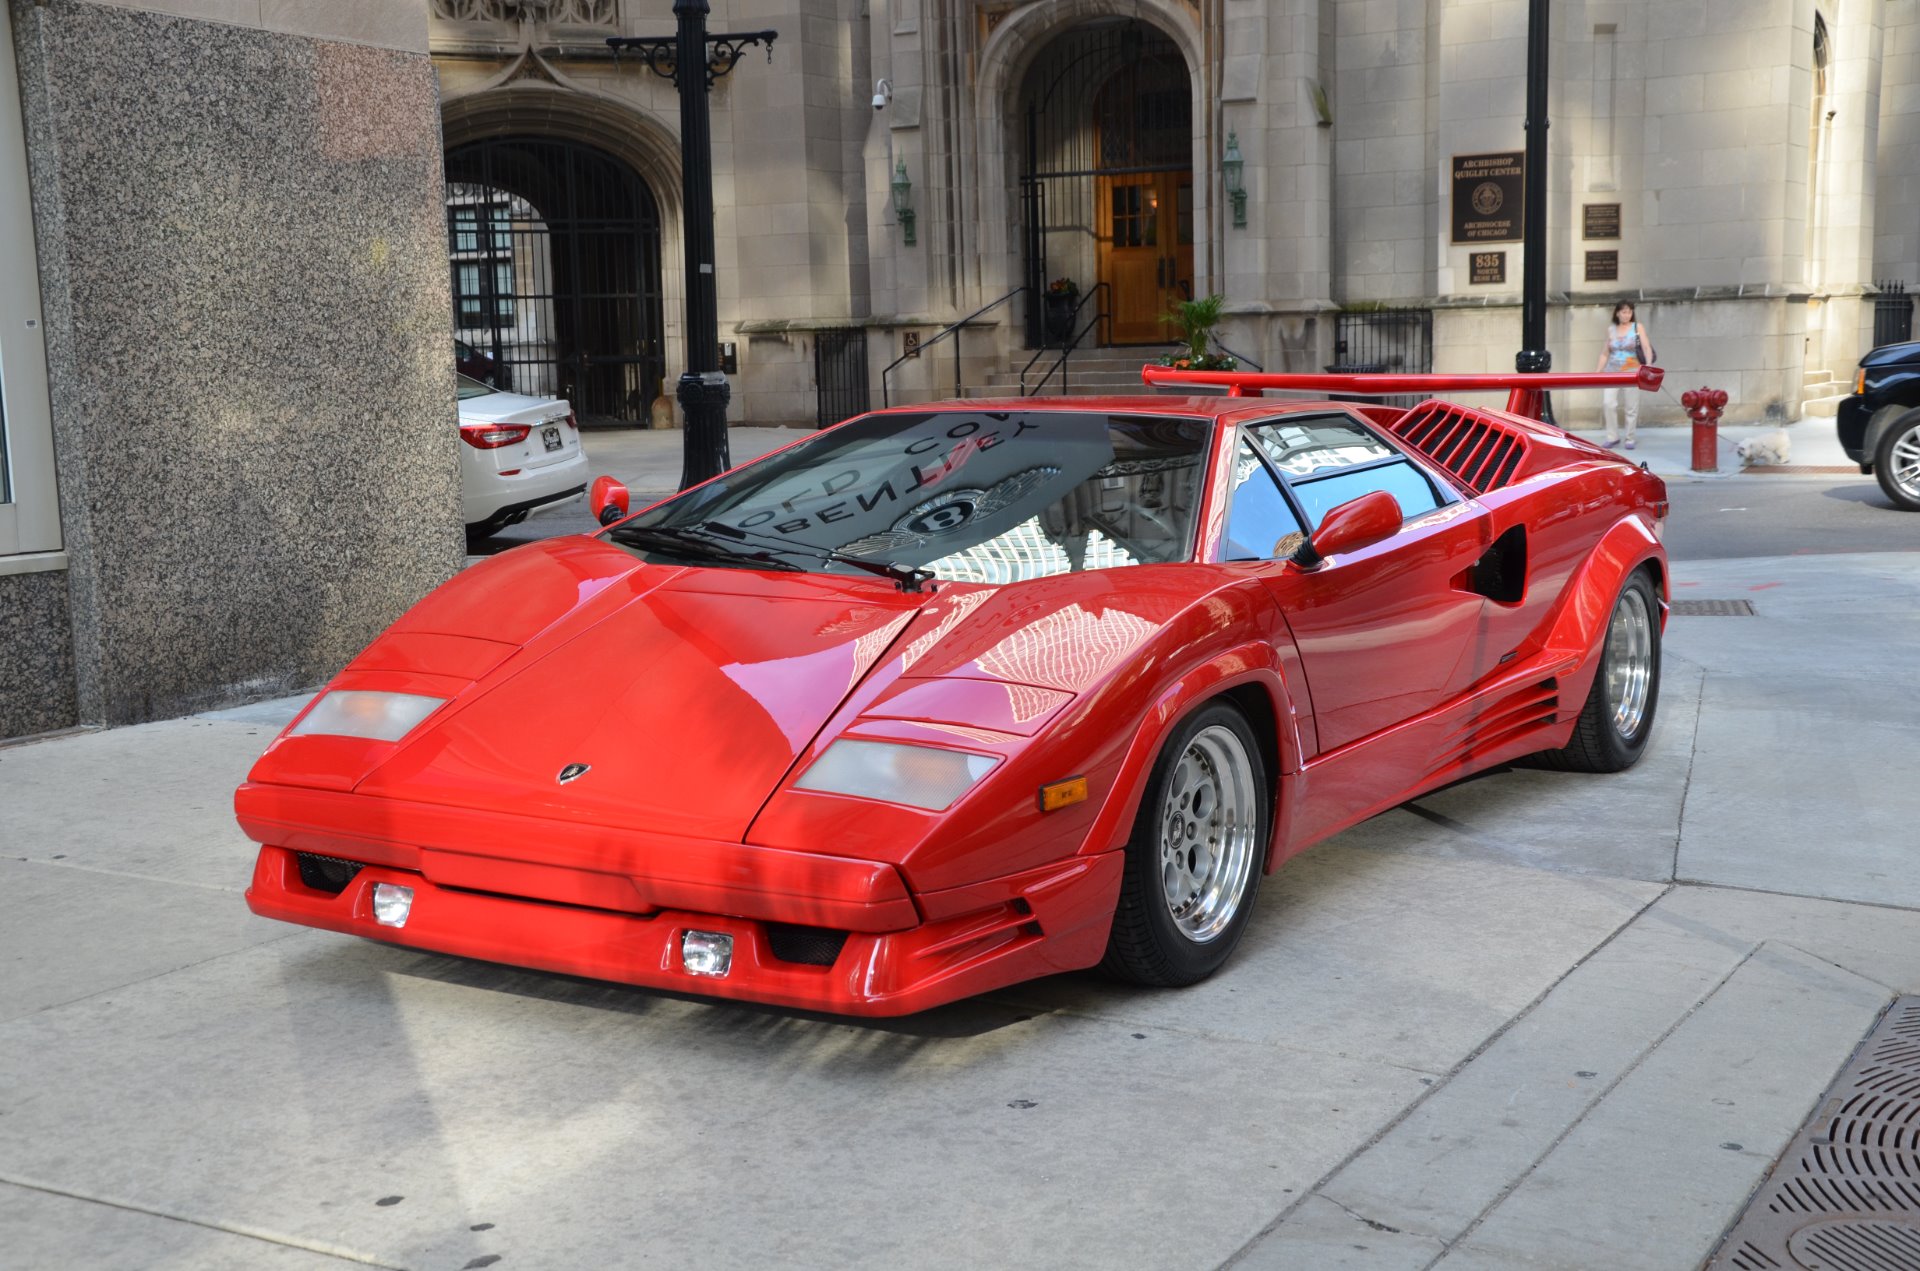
(1523, 390)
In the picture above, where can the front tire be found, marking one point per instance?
(1896, 462)
(1618, 716)
(1193, 864)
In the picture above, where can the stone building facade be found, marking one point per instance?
(1740, 168)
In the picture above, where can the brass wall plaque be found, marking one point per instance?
(1600, 220)
(1488, 190)
(1488, 267)
(1603, 266)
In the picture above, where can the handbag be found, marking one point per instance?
(1646, 345)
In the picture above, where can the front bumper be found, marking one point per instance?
(1851, 422)
(901, 953)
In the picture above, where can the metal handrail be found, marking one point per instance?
(1099, 315)
(952, 329)
(1241, 358)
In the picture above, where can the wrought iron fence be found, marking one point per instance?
(840, 375)
(1384, 340)
(1892, 313)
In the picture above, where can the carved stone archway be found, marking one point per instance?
(530, 100)
(1016, 43)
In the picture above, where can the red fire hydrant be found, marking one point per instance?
(1703, 407)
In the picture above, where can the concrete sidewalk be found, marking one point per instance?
(1535, 1020)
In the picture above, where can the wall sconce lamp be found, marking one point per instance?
(903, 201)
(1231, 167)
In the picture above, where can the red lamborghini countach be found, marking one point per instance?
(955, 695)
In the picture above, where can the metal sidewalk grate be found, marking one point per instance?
(1712, 609)
(1845, 1196)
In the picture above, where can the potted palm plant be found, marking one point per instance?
(1195, 320)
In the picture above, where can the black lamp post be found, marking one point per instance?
(693, 60)
(1534, 355)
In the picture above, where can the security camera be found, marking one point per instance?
(882, 94)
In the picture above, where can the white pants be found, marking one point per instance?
(1610, 405)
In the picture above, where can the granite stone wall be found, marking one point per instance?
(36, 655)
(243, 261)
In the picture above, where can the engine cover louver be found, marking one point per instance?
(1482, 450)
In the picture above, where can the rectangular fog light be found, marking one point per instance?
(391, 904)
(706, 953)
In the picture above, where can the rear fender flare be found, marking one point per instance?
(1580, 629)
(1252, 664)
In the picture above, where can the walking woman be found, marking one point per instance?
(1627, 347)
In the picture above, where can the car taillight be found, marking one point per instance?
(572, 422)
(493, 436)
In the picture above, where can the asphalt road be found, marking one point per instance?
(1785, 516)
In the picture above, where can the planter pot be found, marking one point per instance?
(1058, 314)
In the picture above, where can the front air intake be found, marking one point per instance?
(810, 946)
(329, 874)
(1483, 450)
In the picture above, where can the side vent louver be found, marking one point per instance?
(1484, 452)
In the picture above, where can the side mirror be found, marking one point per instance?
(608, 500)
(1355, 524)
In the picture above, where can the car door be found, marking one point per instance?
(1383, 632)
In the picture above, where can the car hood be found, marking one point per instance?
(1893, 354)
(684, 694)
(687, 695)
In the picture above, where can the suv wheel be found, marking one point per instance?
(1896, 462)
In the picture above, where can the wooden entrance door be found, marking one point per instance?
(1146, 250)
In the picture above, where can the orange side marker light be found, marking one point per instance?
(1063, 794)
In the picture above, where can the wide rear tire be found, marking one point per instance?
(1618, 716)
(1193, 864)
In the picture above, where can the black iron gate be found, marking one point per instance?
(1380, 341)
(1384, 340)
(1107, 99)
(554, 249)
(1892, 314)
(840, 374)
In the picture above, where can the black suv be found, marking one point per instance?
(1880, 424)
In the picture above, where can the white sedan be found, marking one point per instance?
(519, 455)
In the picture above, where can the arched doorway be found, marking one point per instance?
(1107, 173)
(554, 253)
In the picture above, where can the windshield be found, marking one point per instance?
(467, 386)
(972, 496)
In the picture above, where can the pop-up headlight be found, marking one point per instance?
(919, 776)
(361, 713)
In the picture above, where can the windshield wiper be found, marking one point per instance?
(693, 543)
(905, 577)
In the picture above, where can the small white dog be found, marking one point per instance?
(1767, 449)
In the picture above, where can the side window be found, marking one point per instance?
(1261, 524)
(1408, 486)
(1332, 460)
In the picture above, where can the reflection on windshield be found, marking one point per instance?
(975, 496)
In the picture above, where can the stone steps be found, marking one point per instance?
(1088, 374)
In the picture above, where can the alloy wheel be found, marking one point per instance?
(1209, 819)
(1905, 463)
(1629, 662)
